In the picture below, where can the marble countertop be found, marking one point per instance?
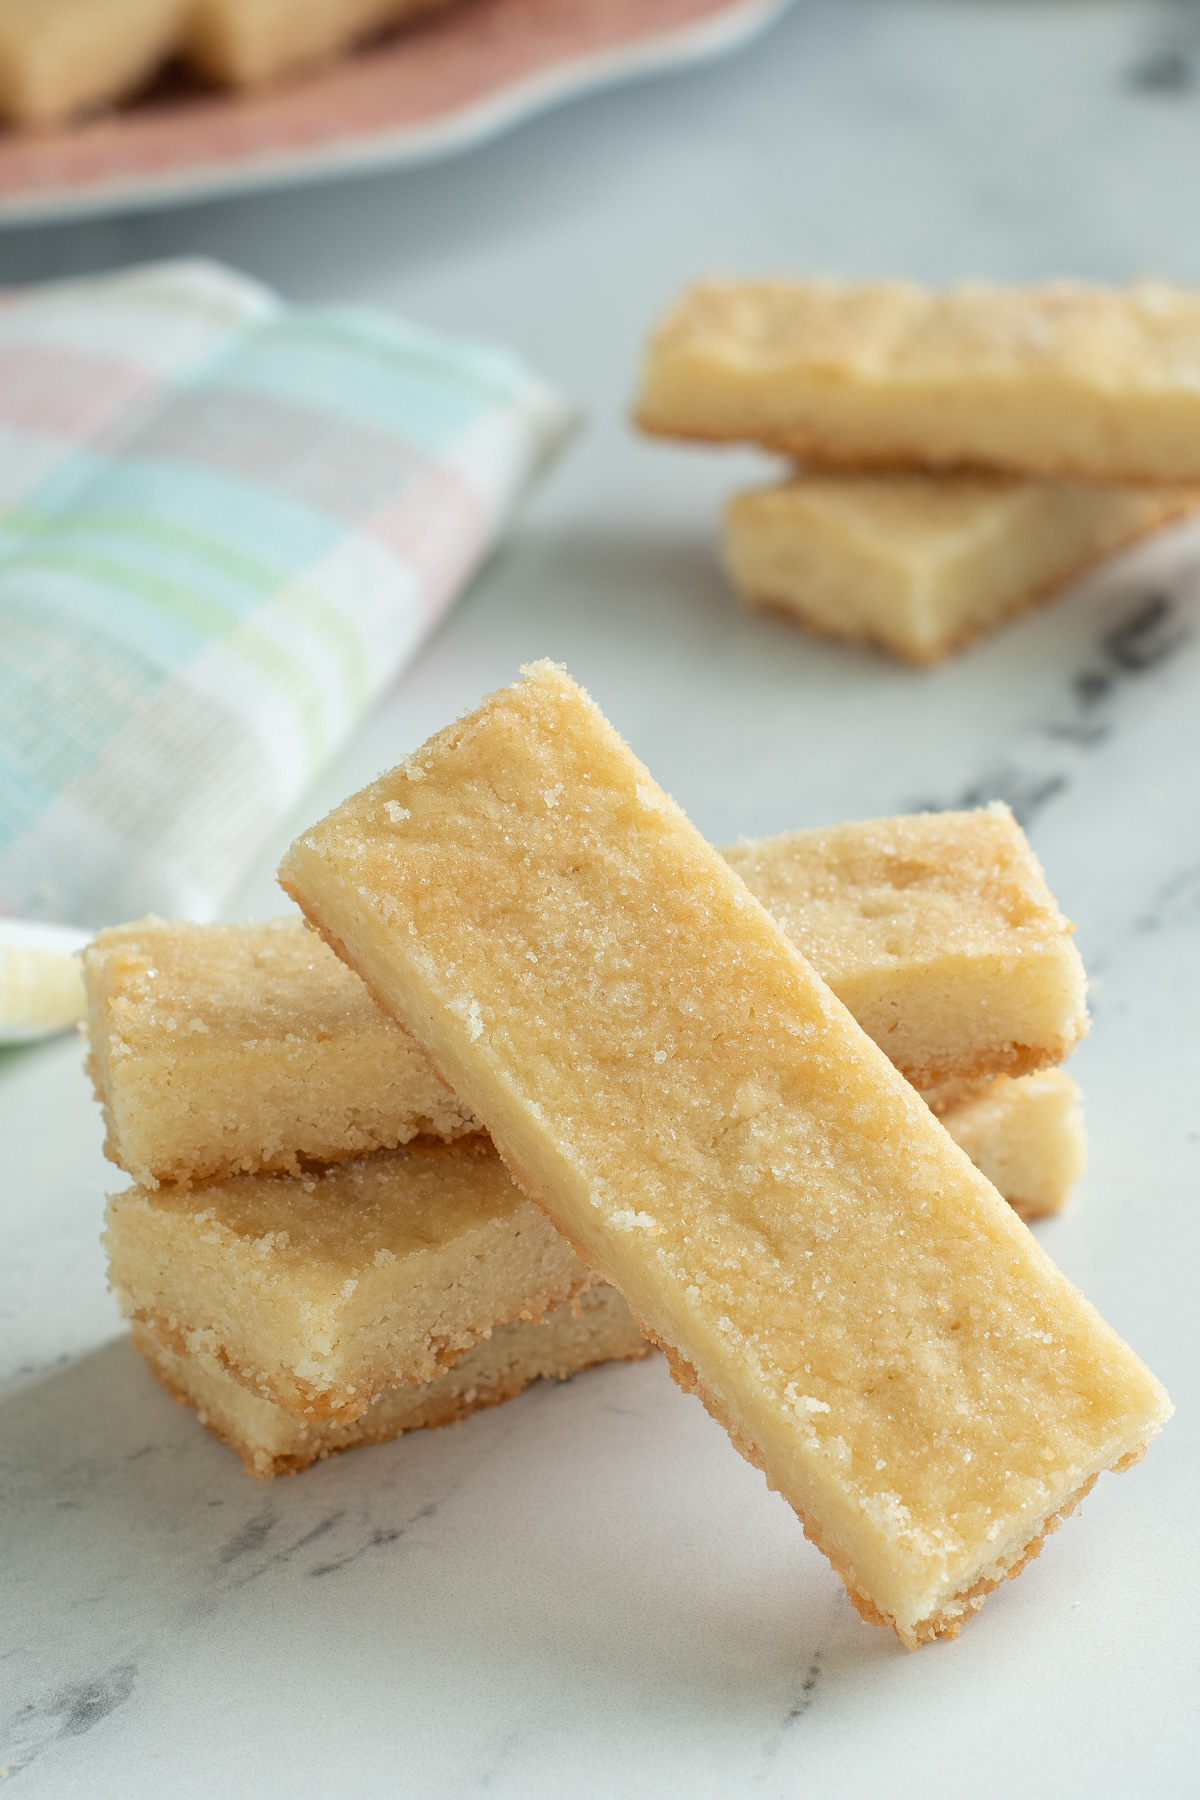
(586, 1591)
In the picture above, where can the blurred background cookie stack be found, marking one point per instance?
(958, 456)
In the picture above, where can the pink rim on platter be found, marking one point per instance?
(461, 77)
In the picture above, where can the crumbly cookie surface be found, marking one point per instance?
(940, 934)
(670, 1080)
(317, 1291)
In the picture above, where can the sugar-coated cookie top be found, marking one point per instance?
(270, 980)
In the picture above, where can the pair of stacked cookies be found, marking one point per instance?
(960, 455)
(59, 58)
(323, 1251)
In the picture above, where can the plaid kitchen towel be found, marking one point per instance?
(225, 525)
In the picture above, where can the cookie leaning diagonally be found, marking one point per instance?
(670, 1080)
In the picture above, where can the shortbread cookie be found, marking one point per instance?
(920, 564)
(594, 1328)
(694, 1108)
(223, 1049)
(249, 43)
(939, 933)
(61, 57)
(1027, 1137)
(1086, 383)
(317, 1292)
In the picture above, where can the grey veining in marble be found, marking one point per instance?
(587, 1592)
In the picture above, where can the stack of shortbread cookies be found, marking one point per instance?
(959, 455)
(562, 1081)
(323, 1249)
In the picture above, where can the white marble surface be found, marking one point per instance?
(587, 1592)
